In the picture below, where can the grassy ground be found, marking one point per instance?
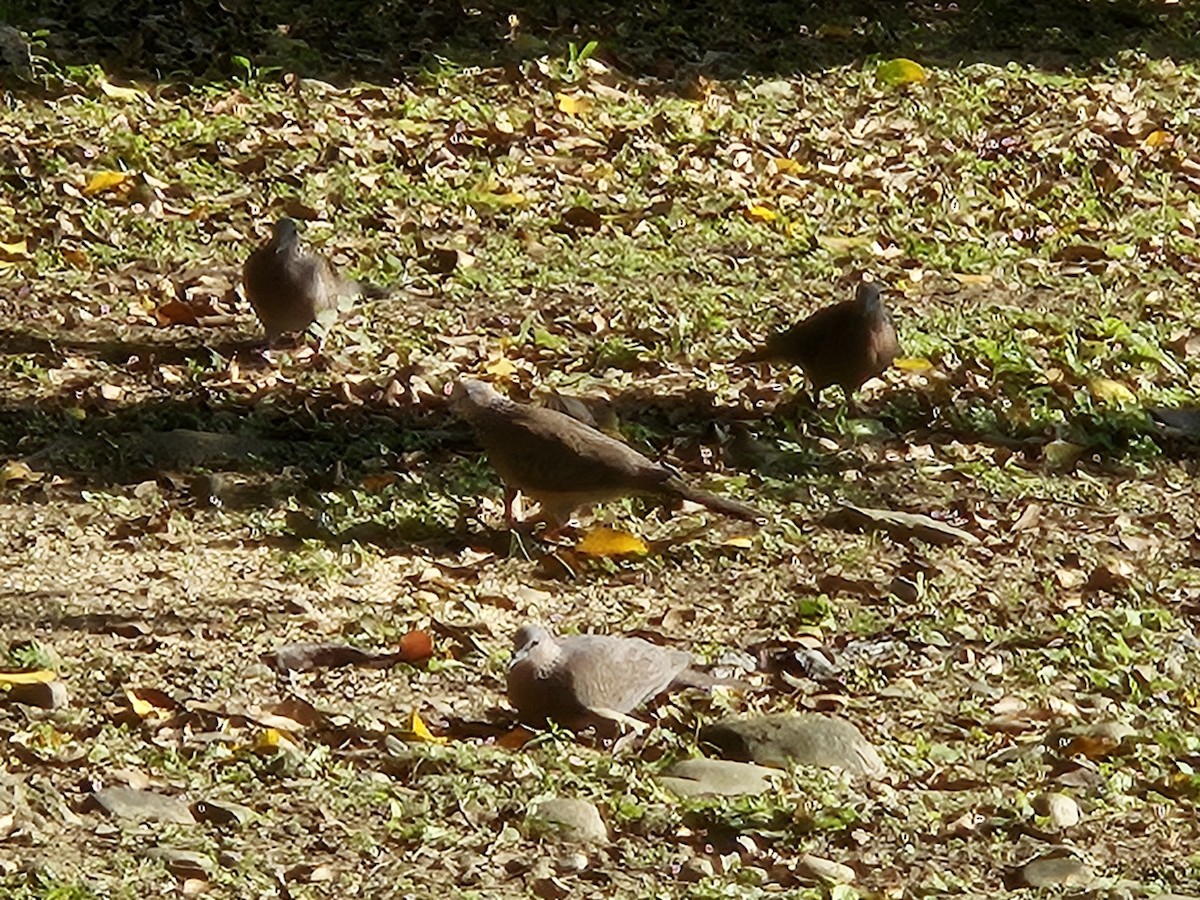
(624, 220)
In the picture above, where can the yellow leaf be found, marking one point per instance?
(1105, 390)
(607, 542)
(1156, 139)
(500, 367)
(143, 709)
(964, 278)
(510, 198)
(274, 739)
(912, 364)
(418, 732)
(758, 213)
(897, 72)
(15, 470)
(741, 542)
(119, 93)
(573, 104)
(785, 166)
(41, 676)
(104, 181)
(14, 251)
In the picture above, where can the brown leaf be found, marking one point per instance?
(900, 525)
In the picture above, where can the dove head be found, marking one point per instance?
(284, 234)
(867, 296)
(467, 395)
(534, 643)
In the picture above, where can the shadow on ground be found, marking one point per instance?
(384, 40)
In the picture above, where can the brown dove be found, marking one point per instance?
(289, 288)
(563, 463)
(579, 680)
(844, 344)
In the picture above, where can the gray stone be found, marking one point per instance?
(1056, 871)
(1061, 810)
(696, 869)
(720, 777)
(576, 820)
(825, 870)
(123, 802)
(807, 739)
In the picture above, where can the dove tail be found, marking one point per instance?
(718, 503)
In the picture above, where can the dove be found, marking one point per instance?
(289, 287)
(563, 463)
(844, 344)
(579, 680)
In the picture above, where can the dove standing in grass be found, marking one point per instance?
(290, 288)
(844, 344)
(563, 463)
(581, 680)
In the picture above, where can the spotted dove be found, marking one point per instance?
(844, 344)
(290, 287)
(580, 680)
(563, 463)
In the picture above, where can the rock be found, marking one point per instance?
(1061, 810)
(571, 863)
(720, 777)
(576, 820)
(696, 869)
(808, 739)
(1056, 870)
(825, 870)
(122, 802)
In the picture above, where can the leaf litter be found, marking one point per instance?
(1037, 230)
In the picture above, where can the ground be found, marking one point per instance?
(619, 218)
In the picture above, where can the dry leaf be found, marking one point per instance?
(741, 542)
(15, 470)
(912, 364)
(897, 72)
(105, 181)
(1105, 390)
(610, 542)
(1156, 139)
(41, 676)
(964, 278)
(175, 312)
(417, 731)
(573, 104)
(120, 93)
(758, 213)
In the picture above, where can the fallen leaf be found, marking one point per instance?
(417, 731)
(15, 470)
(965, 278)
(1060, 454)
(898, 72)
(76, 258)
(843, 243)
(785, 166)
(611, 542)
(1105, 390)
(573, 104)
(148, 702)
(40, 676)
(1156, 139)
(757, 213)
(175, 312)
(901, 525)
(120, 93)
(1077, 253)
(501, 367)
(105, 181)
(742, 542)
(912, 364)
